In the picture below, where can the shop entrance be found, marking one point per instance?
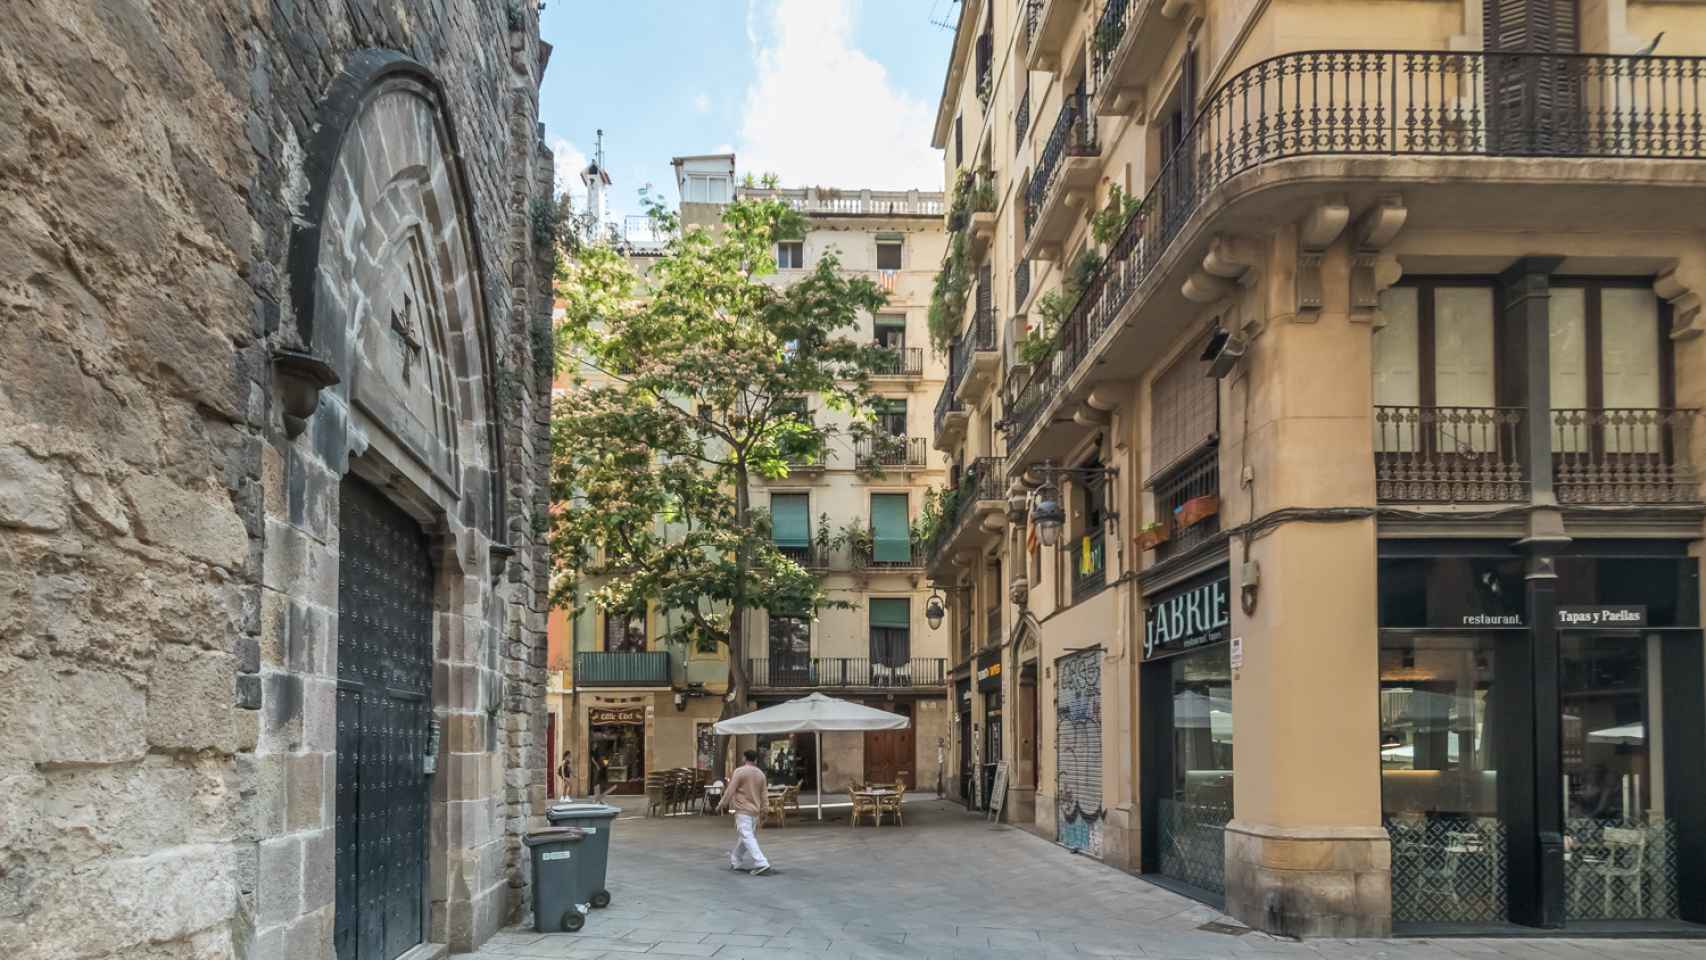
(962, 697)
(1078, 751)
(889, 754)
(616, 743)
(1602, 832)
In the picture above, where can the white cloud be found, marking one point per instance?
(569, 161)
(701, 103)
(822, 112)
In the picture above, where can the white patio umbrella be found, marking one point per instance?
(813, 714)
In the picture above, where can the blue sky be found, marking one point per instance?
(833, 92)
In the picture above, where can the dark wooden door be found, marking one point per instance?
(889, 754)
(384, 706)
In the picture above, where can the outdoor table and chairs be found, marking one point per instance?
(876, 800)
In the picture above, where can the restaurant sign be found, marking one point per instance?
(603, 716)
(1187, 619)
(989, 673)
(1601, 616)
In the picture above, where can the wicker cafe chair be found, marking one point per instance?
(681, 788)
(891, 802)
(863, 803)
(791, 799)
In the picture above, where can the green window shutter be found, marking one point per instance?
(888, 520)
(790, 520)
(890, 321)
(891, 612)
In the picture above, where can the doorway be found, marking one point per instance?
(384, 707)
(889, 753)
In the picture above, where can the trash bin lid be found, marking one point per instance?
(538, 838)
(582, 811)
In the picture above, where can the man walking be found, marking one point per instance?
(746, 794)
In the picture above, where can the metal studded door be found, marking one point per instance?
(1078, 808)
(384, 705)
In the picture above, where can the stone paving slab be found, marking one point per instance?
(947, 886)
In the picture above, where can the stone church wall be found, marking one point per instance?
(169, 509)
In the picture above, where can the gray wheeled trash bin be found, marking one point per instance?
(593, 819)
(560, 902)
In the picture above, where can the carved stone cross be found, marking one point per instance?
(408, 334)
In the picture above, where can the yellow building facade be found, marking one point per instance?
(1321, 415)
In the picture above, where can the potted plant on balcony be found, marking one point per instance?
(1110, 220)
(861, 541)
(1152, 536)
(1196, 510)
(948, 297)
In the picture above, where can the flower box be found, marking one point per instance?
(1152, 536)
(1197, 509)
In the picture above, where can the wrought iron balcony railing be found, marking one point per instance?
(1449, 454)
(1022, 120)
(1180, 494)
(642, 669)
(1375, 103)
(1089, 565)
(1033, 18)
(983, 479)
(864, 558)
(889, 451)
(900, 362)
(1074, 135)
(946, 403)
(1628, 455)
(811, 556)
(829, 672)
(1109, 33)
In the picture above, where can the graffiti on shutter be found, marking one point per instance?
(1078, 752)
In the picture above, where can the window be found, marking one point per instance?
(1607, 352)
(959, 142)
(625, 631)
(1089, 557)
(891, 632)
(1186, 406)
(891, 416)
(791, 255)
(1437, 350)
(790, 524)
(790, 651)
(890, 331)
(707, 189)
(890, 535)
(888, 254)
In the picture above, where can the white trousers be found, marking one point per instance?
(745, 854)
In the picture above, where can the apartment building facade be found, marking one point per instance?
(1326, 512)
(849, 517)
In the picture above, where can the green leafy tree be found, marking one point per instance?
(689, 387)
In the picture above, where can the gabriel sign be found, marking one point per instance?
(1187, 619)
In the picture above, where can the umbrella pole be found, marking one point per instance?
(819, 752)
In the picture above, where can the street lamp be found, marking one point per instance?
(1048, 511)
(933, 610)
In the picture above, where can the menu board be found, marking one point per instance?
(998, 792)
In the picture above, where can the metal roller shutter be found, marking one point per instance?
(1078, 752)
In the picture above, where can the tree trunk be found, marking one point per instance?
(737, 618)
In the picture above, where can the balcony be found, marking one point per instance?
(899, 362)
(811, 556)
(979, 202)
(951, 415)
(1623, 456)
(1061, 183)
(1187, 501)
(885, 451)
(1022, 120)
(1048, 25)
(1277, 134)
(976, 357)
(979, 512)
(985, 53)
(825, 673)
(1130, 38)
(644, 669)
(1449, 454)
(865, 560)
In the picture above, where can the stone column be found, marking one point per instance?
(1306, 854)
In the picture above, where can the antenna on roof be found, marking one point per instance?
(949, 20)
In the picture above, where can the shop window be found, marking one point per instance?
(888, 254)
(891, 536)
(790, 255)
(1193, 809)
(625, 631)
(891, 635)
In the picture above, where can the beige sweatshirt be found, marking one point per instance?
(746, 791)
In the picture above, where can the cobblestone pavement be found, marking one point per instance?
(946, 885)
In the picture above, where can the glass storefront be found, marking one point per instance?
(617, 745)
(1613, 677)
(1187, 747)
(1194, 813)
